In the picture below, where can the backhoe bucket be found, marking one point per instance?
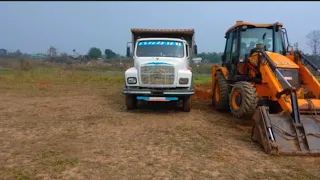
(279, 135)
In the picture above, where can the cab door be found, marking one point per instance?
(230, 57)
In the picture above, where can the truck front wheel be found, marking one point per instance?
(131, 102)
(186, 104)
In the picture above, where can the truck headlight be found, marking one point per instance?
(132, 80)
(183, 81)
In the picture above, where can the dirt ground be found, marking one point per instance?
(83, 131)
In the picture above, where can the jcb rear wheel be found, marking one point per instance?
(221, 90)
(243, 99)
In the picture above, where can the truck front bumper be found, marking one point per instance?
(159, 92)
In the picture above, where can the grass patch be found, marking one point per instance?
(18, 174)
(56, 75)
(56, 159)
(64, 161)
(60, 76)
(202, 78)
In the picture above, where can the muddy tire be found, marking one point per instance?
(221, 90)
(243, 99)
(131, 102)
(186, 104)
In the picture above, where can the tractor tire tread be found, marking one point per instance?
(223, 103)
(249, 98)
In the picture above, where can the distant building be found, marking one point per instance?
(205, 61)
(39, 56)
(197, 60)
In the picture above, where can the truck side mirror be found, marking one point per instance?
(128, 51)
(195, 47)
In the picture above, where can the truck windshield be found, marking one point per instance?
(160, 49)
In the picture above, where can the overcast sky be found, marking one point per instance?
(34, 26)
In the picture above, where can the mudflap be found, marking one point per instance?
(278, 135)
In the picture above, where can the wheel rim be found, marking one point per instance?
(217, 92)
(236, 99)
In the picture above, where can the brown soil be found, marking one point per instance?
(202, 92)
(84, 132)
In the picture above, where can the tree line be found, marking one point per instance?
(94, 53)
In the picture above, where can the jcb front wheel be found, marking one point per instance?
(243, 99)
(221, 90)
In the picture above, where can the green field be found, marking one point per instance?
(58, 75)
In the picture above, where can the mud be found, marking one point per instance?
(202, 92)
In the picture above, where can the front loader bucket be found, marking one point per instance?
(278, 135)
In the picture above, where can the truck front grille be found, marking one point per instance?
(157, 75)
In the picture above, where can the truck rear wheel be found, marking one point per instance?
(243, 99)
(186, 104)
(221, 90)
(131, 102)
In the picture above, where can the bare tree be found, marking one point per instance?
(314, 41)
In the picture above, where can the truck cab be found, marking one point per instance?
(161, 70)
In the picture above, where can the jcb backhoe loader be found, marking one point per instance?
(263, 78)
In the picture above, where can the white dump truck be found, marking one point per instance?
(161, 70)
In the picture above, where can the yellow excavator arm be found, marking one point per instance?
(293, 130)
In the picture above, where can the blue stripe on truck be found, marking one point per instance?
(159, 43)
(145, 98)
(142, 98)
(172, 98)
